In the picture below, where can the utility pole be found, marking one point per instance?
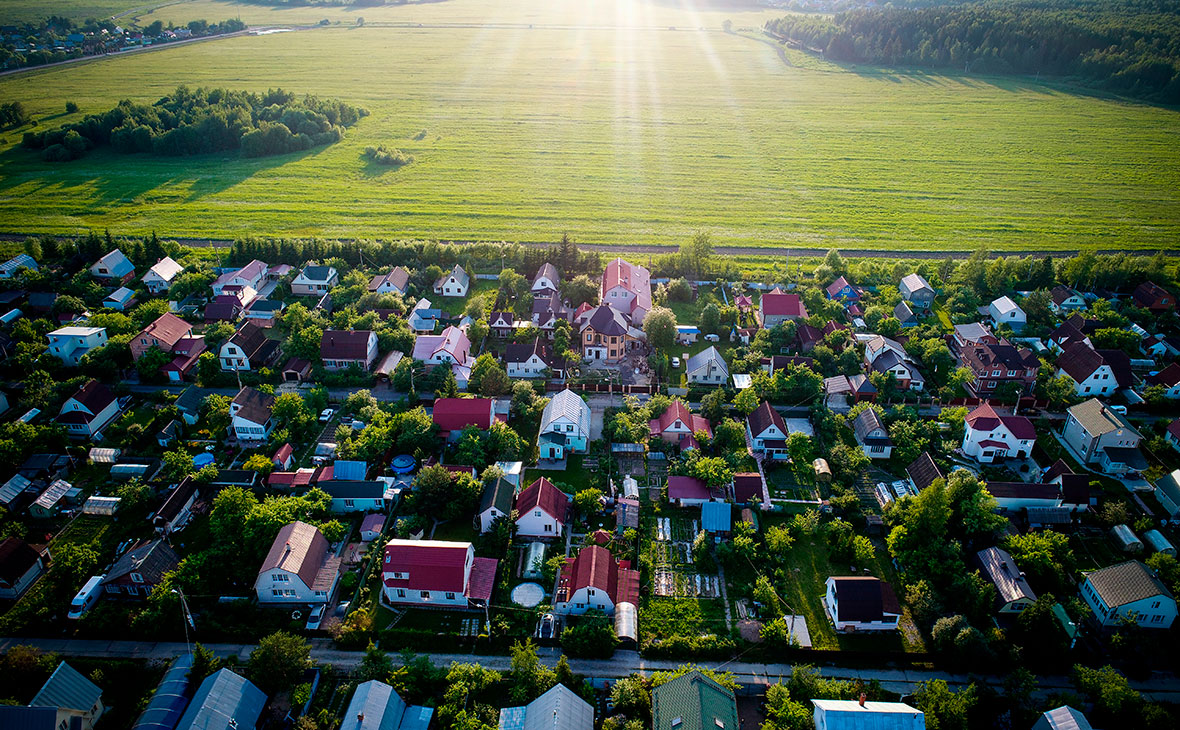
(186, 618)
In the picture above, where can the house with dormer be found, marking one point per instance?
(565, 426)
(396, 281)
(531, 360)
(841, 289)
(605, 335)
(163, 333)
(1005, 311)
(314, 281)
(140, 569)
(248, 349)
(594, 580)
(916, 291)
(453, 284)
(252, 275)
(677, 424)
(299, 568)
(1066, 299)
(988, 436)
(707, 367)
(1095, 372)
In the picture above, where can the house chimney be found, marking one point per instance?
(360, 717)
(863, 696)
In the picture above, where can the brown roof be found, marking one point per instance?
(94, 396)
(1079, 361)
(1167, 377)
(398, 278)
(763, 417)
(168, 329)
(254, 404)
(250, 339)
(746, 486)
(345, 344)
(298, 548)
(923, 471)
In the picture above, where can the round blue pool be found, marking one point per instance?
(201, 460)
(402, 464)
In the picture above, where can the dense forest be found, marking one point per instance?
(200, 121)
(1129, 47)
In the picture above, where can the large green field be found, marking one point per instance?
(604, 121)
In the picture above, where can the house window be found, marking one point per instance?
(548, 527)
(277, 592)
(401, 593)
(349, 503)
(280, 577)
(450, 596)
(136, 578)
(425, 595)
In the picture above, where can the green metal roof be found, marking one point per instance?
(693, 702)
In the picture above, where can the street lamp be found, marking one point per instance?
(186, 618)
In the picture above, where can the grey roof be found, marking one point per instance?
(558, 709)
(973, 331)
(1169, 484)
(1005, 304)
(1062, 718)
(923, 471)
(569, 404)
(374, 706)
(224, 697)
(903, 313)
(1007, 578)
(549, 271)
(1125, 583)
(914, 282)
(607, 321)
(13, 717)
(703, 358)
(866, 422)
(192, 399)
(150, 559)
(1097, 419)
(318, 273)
(66, 688)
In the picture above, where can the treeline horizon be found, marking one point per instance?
(1129, 47)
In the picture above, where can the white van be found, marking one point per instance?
(86, 597)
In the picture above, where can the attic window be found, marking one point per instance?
(677, 721)
(136, 578)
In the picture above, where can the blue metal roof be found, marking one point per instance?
(716, 517)
(168, 703)
(222, 697)
(13, 717)
(350, 470)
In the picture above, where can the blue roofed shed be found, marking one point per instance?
(168, 703)
(717, 518)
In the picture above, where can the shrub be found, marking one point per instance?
(389, 157)
(71, 107)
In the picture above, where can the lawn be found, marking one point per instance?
(574, 479)
(807, 568)
(617, 124)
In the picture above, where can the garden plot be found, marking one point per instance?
(673, 573)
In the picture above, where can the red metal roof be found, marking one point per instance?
(541, 494)
(688, 488)
(427, 564)
(746, 486)
(168, 329)
(345, 344)
(483, 579)
(455, 414)
(776, 303)
(985, 418)
(680, 412)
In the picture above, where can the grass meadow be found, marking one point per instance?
(614, 127)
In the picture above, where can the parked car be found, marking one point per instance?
(326, 415)
(675, 362)
(315, 618)
(545, 631)
(342, 609)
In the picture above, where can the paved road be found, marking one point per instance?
(1160, 686)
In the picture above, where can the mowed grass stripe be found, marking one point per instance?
(623, 137)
